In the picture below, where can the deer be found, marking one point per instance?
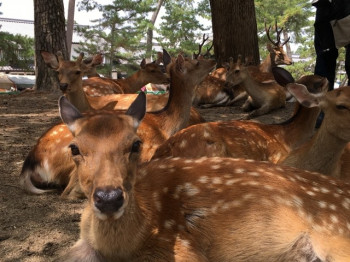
(148, 73)
(70, 76)
(206, 209)
(49, 163)
(277, 56)
(250, 139)
(263, 96)
(323, 152)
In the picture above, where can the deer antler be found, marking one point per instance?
(200, 46)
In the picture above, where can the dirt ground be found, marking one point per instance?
(39, 228)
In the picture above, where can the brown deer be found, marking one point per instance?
(148, 73)
(206, 209)
(48, 161)
(323, 152)
(249, 139)
(70, 75)
(263, 96)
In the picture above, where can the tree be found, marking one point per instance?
(234, 29)
(119, 32)
(180, 27)
(50, 35)
(17, 50)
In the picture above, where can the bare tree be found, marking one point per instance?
(50, 35)
(234, 29)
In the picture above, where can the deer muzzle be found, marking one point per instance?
(108, 200)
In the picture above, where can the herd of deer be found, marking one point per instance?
(164, 185)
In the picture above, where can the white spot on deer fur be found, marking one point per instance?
(193, 135)
(191, 190)
(187, 167)
(203, 179)
(142, 173)
(215, 167)
(169, 223)
(310, 193)
(322, 204)
(346, 204)
(348, 225)
(188, 161)
(162, 166)
(200, 160)
(269, 187)
(250, 183)
(334, 218)
(253, 174)
(333, 207)
(336, 195)
(230, 182)
(165, 190)
(324, 190)
(183, 144)
(206, 134)
(217, 180)
(239, 170)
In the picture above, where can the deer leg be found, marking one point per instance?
(248, 104)
(81, 252)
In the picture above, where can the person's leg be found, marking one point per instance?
(326, 63)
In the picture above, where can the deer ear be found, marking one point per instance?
(143, 64)
(137, 109)
(50, 59)
(69, 113)
(282, 76)
(303, 96)
(166, 58)
(180, 63)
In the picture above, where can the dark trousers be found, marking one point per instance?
(326, 63)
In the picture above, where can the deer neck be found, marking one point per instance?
(176, 113)
(132, 84)
(78, 97)
(266, 65)
(321, 154)
(119, 238)
(300, 127)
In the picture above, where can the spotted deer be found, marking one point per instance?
(263, 96)
(248, 139)
(206, 209)
(323, 152)
(49, 161)
(148, 73)
(70, 74)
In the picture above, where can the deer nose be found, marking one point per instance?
(63, 87)
(108, 200)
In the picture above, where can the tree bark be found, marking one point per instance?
(50, 36)
(234, 30)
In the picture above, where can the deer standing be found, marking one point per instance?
(49, 161)
(206, 209)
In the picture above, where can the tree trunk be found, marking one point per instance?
(150, 31)
(50, 36)
(287, 45)
(70, 25)
(234, 30)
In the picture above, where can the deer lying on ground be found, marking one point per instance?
(323, 152)
(206, 209)
(249, 139)
(277, 56)
(263, 96)
(48, 161)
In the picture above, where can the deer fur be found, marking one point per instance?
(154, 130)
(206, 209)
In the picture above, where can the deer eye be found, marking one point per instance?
(341, 107)
(74, 150)
(78, 72)
(135, 148)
